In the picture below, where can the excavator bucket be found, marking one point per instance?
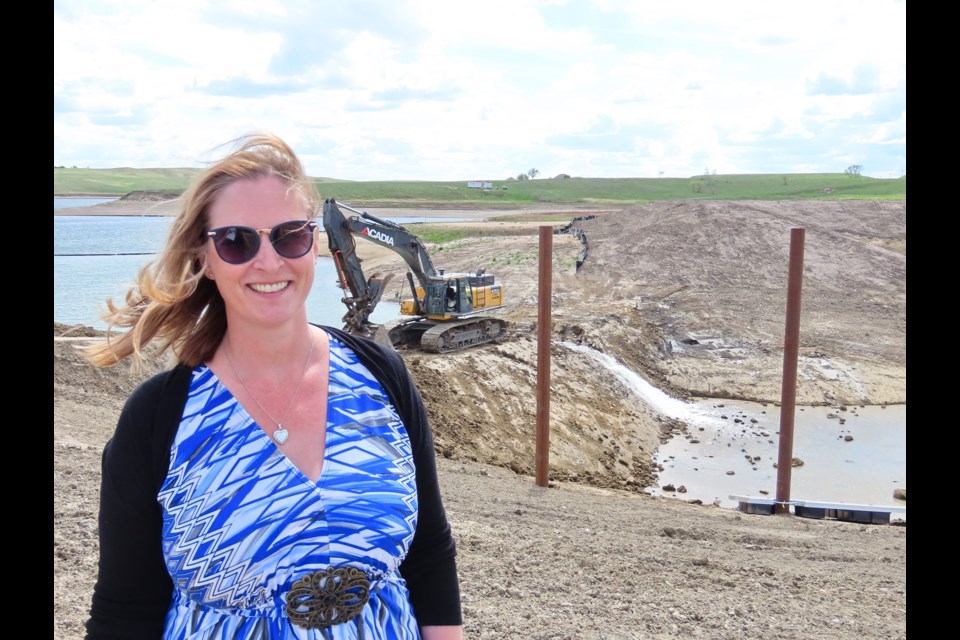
(382, 336)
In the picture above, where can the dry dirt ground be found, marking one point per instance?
(692, 296)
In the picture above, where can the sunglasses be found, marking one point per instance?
(236, 245)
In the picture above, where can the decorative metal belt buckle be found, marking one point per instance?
(327, 597)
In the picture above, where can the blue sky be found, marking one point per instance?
(457, 90)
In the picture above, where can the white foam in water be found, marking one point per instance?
(657, 399)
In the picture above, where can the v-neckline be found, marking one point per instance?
(277, 447)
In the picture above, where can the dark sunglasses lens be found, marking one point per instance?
(292, 239)
(236, 244)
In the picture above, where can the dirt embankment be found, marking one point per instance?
(692, 296)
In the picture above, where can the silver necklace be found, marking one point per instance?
(280, 434)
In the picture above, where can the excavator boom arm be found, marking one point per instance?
(445, 305)
(365, 292)
(392, 236)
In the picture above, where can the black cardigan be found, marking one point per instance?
(133, 588)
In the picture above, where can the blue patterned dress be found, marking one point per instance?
(241, 523)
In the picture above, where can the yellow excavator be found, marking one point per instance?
(445, 310)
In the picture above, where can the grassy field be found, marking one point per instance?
(510, 193)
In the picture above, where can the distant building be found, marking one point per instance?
(477, 184)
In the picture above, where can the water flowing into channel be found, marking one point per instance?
(850, 454)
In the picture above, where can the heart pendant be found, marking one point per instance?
(280, 435)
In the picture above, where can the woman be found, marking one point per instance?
(279, 480)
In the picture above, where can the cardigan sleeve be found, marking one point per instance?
(430, 567)
(133, 588)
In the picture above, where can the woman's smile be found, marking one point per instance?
(270, 288)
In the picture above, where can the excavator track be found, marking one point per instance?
(442, 337)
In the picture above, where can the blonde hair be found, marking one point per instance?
(171, 302)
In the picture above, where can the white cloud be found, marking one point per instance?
(425, 89)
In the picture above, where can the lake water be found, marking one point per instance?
(96, 257)
(66, 202)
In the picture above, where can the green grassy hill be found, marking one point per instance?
(508, 193)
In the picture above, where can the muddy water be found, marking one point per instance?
(854, 454)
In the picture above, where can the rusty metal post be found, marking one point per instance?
(788, 393)
(544, 330)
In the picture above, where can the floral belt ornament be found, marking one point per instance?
(327, 597)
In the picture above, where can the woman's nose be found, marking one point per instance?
(267, 253)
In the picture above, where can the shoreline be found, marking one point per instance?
(478, 211)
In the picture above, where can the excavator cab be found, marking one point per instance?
(454, 295)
